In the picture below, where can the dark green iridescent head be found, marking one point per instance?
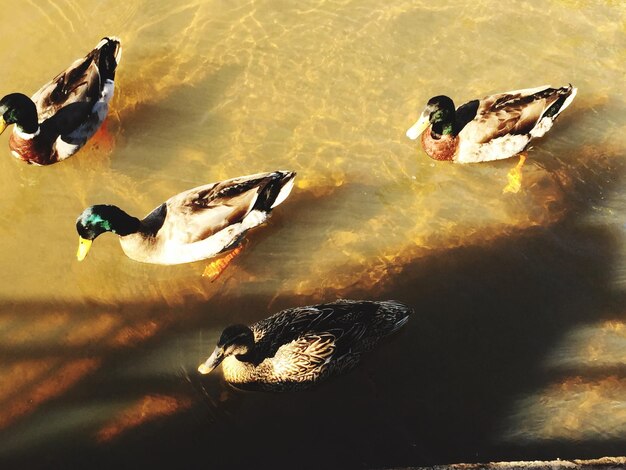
(20, 110)
(441, 115)
(96, 220)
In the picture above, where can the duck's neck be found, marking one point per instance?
(440, 129)
(443, 124)
(250, 357)
(123, 224)
(26, 132)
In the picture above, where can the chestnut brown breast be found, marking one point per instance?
(37, 150)
(441, 149)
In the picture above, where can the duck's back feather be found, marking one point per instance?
(81, 82)
(508, 113)
(202, 222)
(504, 123)
(349, 322)
(305, 357)
(201, 212)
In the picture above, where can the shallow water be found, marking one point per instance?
(518, 346)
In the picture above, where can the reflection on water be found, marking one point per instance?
(601, 345)
(588, 403)
(149, 407)
(517, 348)
(576, 409)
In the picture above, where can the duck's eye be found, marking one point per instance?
(436, 116)
(10, 116)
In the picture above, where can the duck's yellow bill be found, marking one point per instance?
(83, 248)
(3, 124)
(420, 126)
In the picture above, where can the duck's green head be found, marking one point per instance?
(236, 340)
(438, 113)
(96, 220)
(20, 110)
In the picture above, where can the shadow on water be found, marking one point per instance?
(155, 120)
(442, 390)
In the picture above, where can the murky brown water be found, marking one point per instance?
(518, 347)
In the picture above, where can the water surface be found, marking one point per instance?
(517, 349)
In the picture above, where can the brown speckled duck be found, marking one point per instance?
(66, 112)
(299, 347)
(493, 128)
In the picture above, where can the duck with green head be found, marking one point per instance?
(492, 128)
(66, 112)
(196, 224)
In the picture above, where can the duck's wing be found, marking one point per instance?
(346, 321)
(84, 82)
(305, 357)
(323, 338)
(511, 113)
(79, 83)
(198, 213)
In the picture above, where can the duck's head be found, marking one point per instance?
(20, 110)
(236, 340)
(439, 112)
(96, 220)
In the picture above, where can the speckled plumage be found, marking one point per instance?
(299, 347)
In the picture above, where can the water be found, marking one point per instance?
(517, 350)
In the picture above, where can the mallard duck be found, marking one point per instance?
(493, 128)
(194, 225)
(298, 347)
(63, 115)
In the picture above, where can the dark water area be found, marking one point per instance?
(440, 391)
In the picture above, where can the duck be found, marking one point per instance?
(194, 225)
(299, 347)
(492, 128)
(66, 112)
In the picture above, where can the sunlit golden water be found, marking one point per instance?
(209, 90)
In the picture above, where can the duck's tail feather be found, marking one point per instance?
(108, 54)
(396, 314)
(566, 95)
(275, 191)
